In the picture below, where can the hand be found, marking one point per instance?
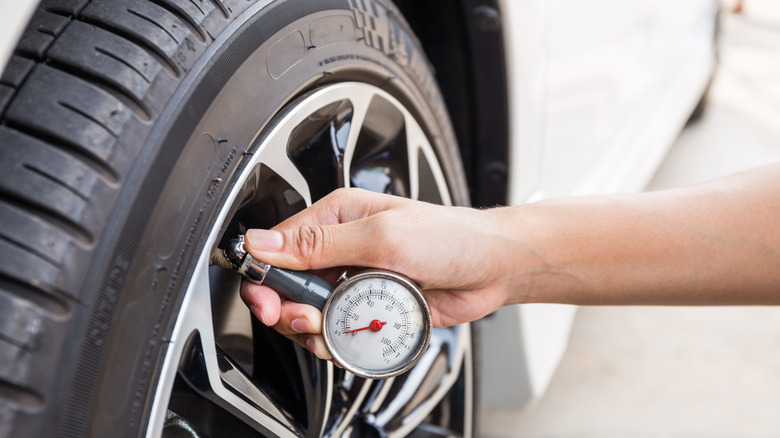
(453, 253)
(712, 243)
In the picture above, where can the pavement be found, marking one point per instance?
(683, 372)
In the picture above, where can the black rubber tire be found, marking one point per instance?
(106, 185)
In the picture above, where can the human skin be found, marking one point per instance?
(716, 243)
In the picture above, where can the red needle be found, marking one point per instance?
(374, 325)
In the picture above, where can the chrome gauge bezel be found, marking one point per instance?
(422, 305)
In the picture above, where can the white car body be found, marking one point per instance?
(599, 90)
(13, 19)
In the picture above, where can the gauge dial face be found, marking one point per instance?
(376, 324)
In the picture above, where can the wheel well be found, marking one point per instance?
(464, 42)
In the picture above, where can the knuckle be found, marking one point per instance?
(309, 241)
(340, 193)
(340, 196)
(347, 197)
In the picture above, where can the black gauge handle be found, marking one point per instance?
(298, 286)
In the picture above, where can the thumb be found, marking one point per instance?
(307, 247)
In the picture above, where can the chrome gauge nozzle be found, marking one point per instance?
(294, 285)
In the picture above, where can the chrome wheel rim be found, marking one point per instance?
(375, 143)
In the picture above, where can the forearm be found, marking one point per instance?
(710, 244)
(715, 243)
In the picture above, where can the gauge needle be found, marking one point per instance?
(374, 325)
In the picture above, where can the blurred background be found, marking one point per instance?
(682, 372)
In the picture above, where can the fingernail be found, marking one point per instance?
(300, 325)
(265, 240)
(310, 345)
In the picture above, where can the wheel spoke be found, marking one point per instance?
(360, 104)
(277, 160)
(210, 372)
(415, 141)
(254, 407)
(423, 165)
(318, 389)
(416, 393)
(348, 398)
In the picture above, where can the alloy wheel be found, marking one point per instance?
(224, 373)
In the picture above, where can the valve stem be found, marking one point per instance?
(219, 258)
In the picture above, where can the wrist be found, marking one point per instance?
(517, 254)
(540, 252)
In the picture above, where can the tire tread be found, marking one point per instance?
(38, 110)
(83, 71)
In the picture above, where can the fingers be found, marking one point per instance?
(286, 317)
(298, 318)
(263, 301)
(342, 206)
(333, 232)
(452, 307)
(303, 324)
(313, 343)
(299, 322)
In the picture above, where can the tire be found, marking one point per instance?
(135, 136)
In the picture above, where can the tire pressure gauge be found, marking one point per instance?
(375, 324)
